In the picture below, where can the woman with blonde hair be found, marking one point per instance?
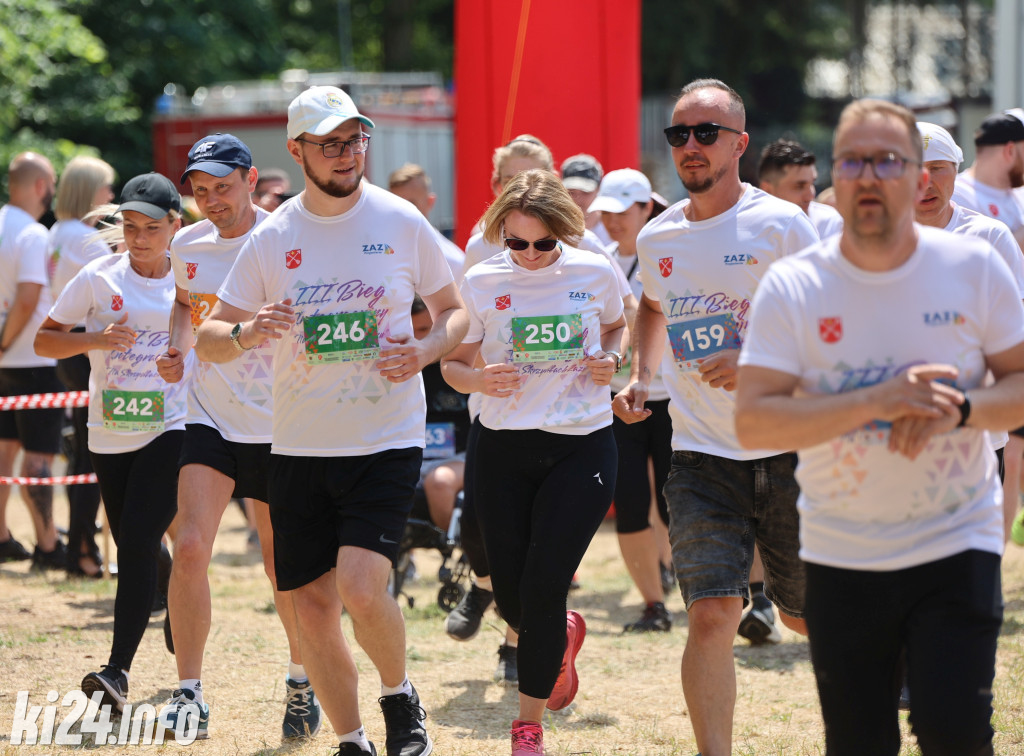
(546, 318)
(85, 185)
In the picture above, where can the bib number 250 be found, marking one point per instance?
(342, 337)
(547, 338)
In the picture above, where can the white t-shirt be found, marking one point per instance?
(454, 255)
(602, 234)
(234, 397)
(1001, 204)
(129, 403)
(351, 279)
(544, 322)
(826, 219)
(22, 260)
(704, 274)
(841, 328)
(630, 267)
(71, 244)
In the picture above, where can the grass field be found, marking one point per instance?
(52, 632)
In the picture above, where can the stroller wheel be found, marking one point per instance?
(449, 596)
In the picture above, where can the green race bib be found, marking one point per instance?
(133, 410)
(547, 338)
(343, 337)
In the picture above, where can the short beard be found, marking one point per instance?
(1016, 177)
(329, 188)
(699, 187)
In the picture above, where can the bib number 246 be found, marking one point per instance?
(342, 337)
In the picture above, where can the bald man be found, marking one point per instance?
(24, 302)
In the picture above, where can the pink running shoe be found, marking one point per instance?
(567, 683)
(527, 738)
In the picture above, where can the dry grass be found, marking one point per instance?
(630, 701)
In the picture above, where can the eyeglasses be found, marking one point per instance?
(704, 133)
(521, 245)
(336, 149)
(885, 167)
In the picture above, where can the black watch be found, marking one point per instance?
(965, 411)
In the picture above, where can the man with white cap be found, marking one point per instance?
(987, 186)
(328, 280)
(582, 176)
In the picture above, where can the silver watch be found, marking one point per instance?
(618, 359)
(236, 332)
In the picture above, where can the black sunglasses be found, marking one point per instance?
(521, 245)
(704, 133)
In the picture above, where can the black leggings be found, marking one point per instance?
(540, 498)
(140, 496)
(637, 442)
(83, 498)
(470, 538)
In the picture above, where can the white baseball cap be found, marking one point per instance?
(939, 144)
(619, 190)
(320, 110)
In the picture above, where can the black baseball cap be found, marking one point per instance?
(218, 155)
(151, 194)
(999, 128)
(582, 172)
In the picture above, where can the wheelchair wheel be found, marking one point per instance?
(449, 596)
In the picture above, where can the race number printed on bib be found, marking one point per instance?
(547, 338)
(440, 441)
(140, 411)
(343, 337)
(202, 306)
(695, 339)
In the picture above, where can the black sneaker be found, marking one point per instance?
(464, 620)
(353, 749)
(50, 560)
(112, 681)
(655, 619)
(668, 577)
(758, 626)
(403, 722)
(507, 672)
(11, 550)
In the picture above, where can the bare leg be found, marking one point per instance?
(39, 499)
(8, 452)
(442, 486)
(282, 600)
(640, 553)
(531, 709)
(709, 674)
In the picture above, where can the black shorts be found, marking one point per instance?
(38, 430)
(319, 504)
(246, 464)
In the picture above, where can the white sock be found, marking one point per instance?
(483, 582)
(195, 685)
(297, 672)
(405, 687)
(357, 736)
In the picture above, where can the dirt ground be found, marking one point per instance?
(53, 631)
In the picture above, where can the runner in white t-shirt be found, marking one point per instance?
(700, 262)
(411, 182)
(24, 300)
(329, 280)
(84, 187)
(900, 498)
(226, 450)
(787, 170)
(545, 319)
(625, 205)
(136, 419)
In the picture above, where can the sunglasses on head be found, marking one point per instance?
(521, 245)
(704, 133)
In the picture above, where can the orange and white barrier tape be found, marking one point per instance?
(45, 401)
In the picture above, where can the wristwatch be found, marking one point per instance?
(618, 359)
(235, 333)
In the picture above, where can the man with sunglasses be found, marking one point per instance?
(868, 353)
(700, 262)
(328, 280)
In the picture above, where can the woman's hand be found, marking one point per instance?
(601, 367)
(116, 337)
(501, 380)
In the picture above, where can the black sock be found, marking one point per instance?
(757, 597)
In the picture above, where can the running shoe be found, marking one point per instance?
(353, 749)
(568, 682)
(302, 715)
(403, 722)
(112, 682)
(507, 672)
(655, 619)
(11, 550)
(182, 707)
(758, 626)
(464, 620)
(50, 560)
(527, 738)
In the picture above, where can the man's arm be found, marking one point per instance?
(409, 357)
(648, 345)
(26, 299)
(213, 340)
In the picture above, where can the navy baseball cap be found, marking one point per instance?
(218, 155)
(151, 194)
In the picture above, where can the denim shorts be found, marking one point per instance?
(719, 508)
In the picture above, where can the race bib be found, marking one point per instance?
(202, 306)
(140, 411)
(547, 338)
(440, 441)
(695, 339)
(343, 337)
